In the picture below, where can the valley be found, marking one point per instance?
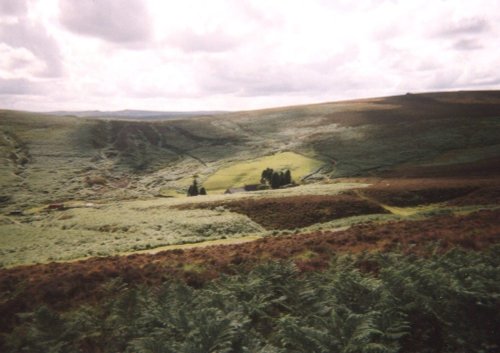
(95, 208)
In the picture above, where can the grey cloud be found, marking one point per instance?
(18, 63)
(216, 41)
(18, 87)
(485, 81)
(13, 7)
(34, 37)
(253, 79)
(249, 82)
(467, 44)
(444, 79)
(118, 21)
(465, 26)
(253, 88)
(257, 78)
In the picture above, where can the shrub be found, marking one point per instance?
(444, 303)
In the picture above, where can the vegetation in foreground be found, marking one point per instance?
(365, 303)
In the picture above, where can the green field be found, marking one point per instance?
(249, 172)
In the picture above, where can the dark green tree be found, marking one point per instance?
(266, 176)
(203, 191)
(193, 188)
(282, 179)
(288, 177)
(275, 180)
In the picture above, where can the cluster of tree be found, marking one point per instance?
(195, 190)
(276, 179)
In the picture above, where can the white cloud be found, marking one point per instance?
(33, 37)
(467, 44)
(212, 41)
(120, 21)
(18, 87)
(12, 7)
(239, 54)
(19, 62)
(465, 26)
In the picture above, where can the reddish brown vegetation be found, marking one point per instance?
(298, 211)
(482, 196)
(302, 211)
(412, 107)
(62, 285)
(483, 169)
(414, 192)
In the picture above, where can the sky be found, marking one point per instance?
(190, 55)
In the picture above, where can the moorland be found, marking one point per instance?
(387, 242)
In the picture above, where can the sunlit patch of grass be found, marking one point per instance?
(410, 211)
(224, 241)
(167, 192)
(306, 255)
(193, 267)
(249, 172)
(114, 229)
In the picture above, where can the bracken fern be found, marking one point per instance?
(443, 303)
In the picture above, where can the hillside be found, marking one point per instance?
(395, 220)
(49, 159)
(132, 114)
(119, 186)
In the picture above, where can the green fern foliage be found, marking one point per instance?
(442, 303)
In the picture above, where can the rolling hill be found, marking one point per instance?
(52, 158)
(132, 114)
(395, 219)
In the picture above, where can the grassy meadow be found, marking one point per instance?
(249, 172)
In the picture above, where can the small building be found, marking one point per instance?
(56, 206)
(246, 188)
(252, 187)
(234, 190)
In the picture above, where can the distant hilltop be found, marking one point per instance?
(130, 114)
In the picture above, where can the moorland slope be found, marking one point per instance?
(397, 213)
(49, 159)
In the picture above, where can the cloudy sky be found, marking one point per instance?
(239, 54)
